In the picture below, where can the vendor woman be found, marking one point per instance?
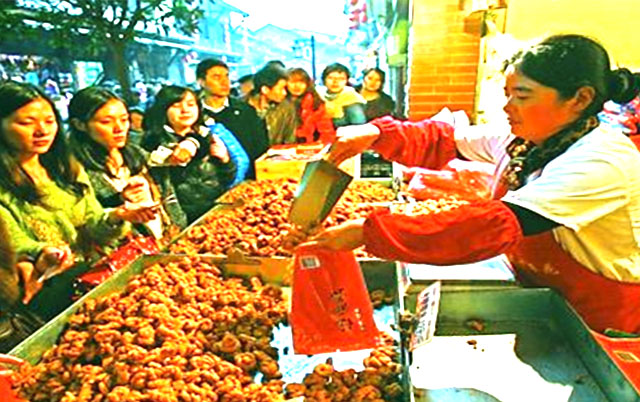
(566, 206)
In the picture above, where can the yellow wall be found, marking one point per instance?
(614, 23)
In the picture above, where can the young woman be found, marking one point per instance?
(343, 103)
(567, 199)
(314, 124)
(99, 125)
(378, 103)
(185, 154)
(46, 200)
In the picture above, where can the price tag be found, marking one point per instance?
(426, 315)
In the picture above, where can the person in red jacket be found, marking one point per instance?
(314, 124)
(566, 199)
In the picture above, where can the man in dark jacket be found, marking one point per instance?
(238, 117)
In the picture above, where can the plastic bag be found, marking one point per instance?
(331, 309)
(464, 180)
(7, 363)
(118, 259)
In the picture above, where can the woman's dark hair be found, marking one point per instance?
(156, 116)
(335, 67)
(268, 77)
(82, 107)
(311, 88)
(569, 62)
(380, 73)
(245, 78)
(57, 161)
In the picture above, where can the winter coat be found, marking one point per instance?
(314, 125)
(197, 184)
(249, 129)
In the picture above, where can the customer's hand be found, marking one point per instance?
(8, 360)
(344, 237)
(183, 153)
(297, 235)
(351, 141)
(135, 215)
(137, 190)
(53, 260)
(218, 149)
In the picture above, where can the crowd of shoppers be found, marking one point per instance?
(72, 191)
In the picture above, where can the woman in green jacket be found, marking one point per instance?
(46, 203)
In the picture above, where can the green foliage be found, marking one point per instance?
(99, 23)
(97, 26)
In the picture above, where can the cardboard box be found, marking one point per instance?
(290, 161)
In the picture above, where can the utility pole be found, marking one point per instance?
(313, 57)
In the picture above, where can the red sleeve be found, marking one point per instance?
(324, 125)
(426, 143)
(636, 140)
(470, 233)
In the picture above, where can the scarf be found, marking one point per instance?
(527, 157)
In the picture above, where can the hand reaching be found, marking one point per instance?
(137, 190)
(347, 236)
(136, 215)
(51, 261)
(8, 360)
(183, 153)
(351, 141)
(218, 149)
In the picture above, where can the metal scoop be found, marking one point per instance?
(320, 188)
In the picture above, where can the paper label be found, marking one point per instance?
(427, 307)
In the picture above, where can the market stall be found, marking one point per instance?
(211, 318)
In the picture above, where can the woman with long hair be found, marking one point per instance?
(99, 124)
(313, 122)
(46, 200)
(185, 154)
(378, 102)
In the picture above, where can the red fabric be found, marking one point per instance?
(429, 144)
(6, 392)
(314, 120)
(118, 259)
(470, 233)
(602, 302)
(613, 346)
(636, 140)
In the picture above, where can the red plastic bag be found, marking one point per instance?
(6, 390)
(464, 180)
(331, 309)
(118, 259)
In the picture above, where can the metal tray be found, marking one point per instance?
(293, 367)
(532, 347)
